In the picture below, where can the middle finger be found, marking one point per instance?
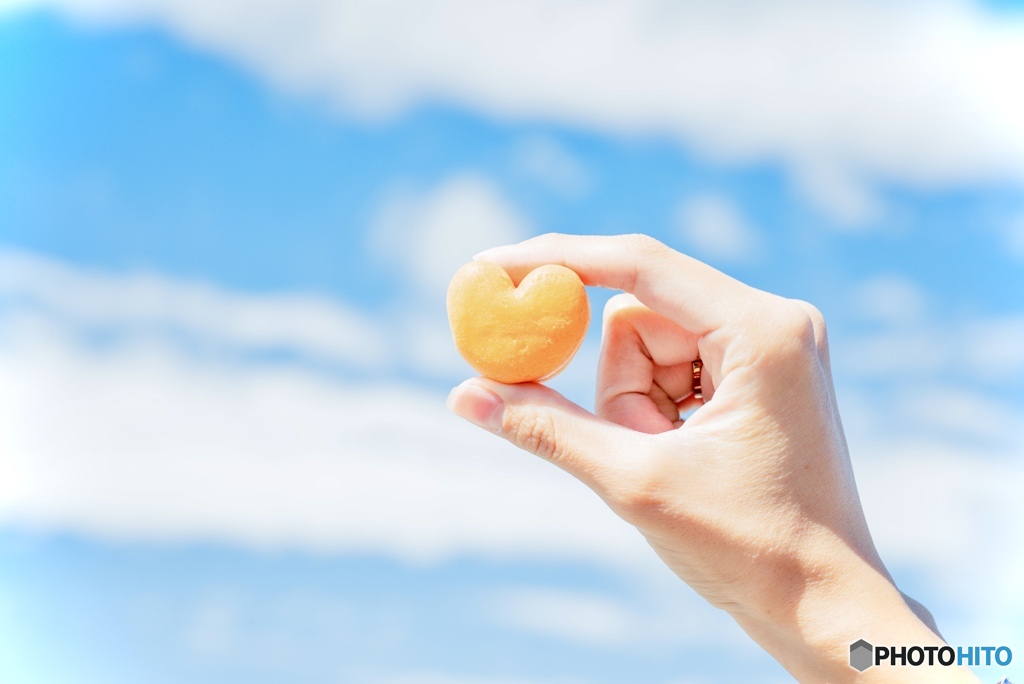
(645, 368)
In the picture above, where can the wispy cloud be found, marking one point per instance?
(606, 621)
(714, 226)
(842, 193)
(306, 323)
(989, 349)
(567, 615)
(890, 299)
(910, 336)
(552, 165)
(285, 632)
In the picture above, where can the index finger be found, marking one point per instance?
(689, 292)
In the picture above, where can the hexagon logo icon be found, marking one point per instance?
(861, 653)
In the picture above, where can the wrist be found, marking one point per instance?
(833, 604)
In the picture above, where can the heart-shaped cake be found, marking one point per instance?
(521, 333)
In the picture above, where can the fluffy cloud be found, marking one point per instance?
(424, 235)
(142, 442)
(431, 233)
(842, 92)
(306, 323)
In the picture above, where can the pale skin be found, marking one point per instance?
(752, 500)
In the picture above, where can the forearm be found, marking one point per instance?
(849, 600)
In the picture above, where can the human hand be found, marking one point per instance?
(752, 500)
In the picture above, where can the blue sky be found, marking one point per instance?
(224, 351)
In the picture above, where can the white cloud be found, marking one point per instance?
(842, 92)
(986, 349)
(219, 322)
(568, 615)
(956, 411)
(996, 345)
(937, 455)
(141, 442)
(552, 165)
(716, 228)
(214, 628)
(429, 348)
(143, 438)
(891, 299)
(307, 323)
(940, 496)
(431, 234)
(666, 620)
(284, 632)
(947, 514)
(837, 192)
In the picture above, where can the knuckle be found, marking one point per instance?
(796, 324)
(638, 243)
(817, 319)
(643, 250)
(533, 431)
(784, 332)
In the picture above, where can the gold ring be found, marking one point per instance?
(698, 366)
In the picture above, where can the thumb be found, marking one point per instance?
(538, 419)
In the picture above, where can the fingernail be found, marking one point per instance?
(477, 405)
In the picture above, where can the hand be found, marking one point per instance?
(752, 500)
